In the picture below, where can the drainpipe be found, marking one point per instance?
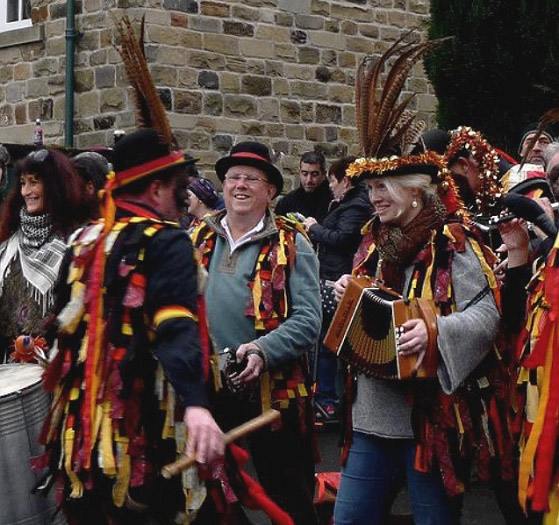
(71, 36)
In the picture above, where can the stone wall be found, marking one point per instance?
(279, 71)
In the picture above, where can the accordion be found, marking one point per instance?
(364, 329)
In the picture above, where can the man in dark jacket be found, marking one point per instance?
(337, 238)
(129, 372)
(313, 197)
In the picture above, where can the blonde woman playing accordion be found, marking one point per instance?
(429, 430)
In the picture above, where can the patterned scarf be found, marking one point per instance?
(398, 247)
(34, 229)
(40, 254)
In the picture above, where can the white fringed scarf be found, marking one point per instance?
(40, 255)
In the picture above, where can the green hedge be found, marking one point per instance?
(501, 70)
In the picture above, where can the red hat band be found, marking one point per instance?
(137, 172)
(246, 154)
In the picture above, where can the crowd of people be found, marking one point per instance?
(142, 325)
(172, 314)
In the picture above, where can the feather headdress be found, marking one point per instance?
(382, 122)
(151, 117)
(386, 127)
(150, 112)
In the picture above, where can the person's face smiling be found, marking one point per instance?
(389, 210)
(247, 191)
(32, 191)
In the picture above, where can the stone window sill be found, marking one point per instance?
(24, 35)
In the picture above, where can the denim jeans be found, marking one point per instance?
(328, 377)
(328, 380)
(368, 480)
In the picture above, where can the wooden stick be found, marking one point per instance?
(184, 462)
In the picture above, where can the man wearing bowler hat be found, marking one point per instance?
(128, 375)
(263, 304)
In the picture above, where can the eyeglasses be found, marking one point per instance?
(250, 180)
(39, 155)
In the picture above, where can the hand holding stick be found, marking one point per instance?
(268, 417)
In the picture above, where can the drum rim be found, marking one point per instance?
(21, 391)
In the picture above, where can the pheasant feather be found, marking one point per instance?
(149, 109)
(382, 123)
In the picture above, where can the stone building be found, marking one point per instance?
(279, 71)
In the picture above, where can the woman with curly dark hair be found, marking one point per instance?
(37, 217)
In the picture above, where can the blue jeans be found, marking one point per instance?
(368, 481)
(328, 377)
(328, 380)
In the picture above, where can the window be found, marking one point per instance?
(14, 14)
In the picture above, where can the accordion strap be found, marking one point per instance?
(383, 288)
(429, 316)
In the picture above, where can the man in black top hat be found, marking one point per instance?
(263, 307)
(130, 369)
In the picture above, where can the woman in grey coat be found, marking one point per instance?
(425, 429)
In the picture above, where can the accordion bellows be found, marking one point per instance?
(364, 330)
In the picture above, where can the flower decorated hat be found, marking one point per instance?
(387, 129)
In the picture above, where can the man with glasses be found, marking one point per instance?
(263, 307)
(312, 198)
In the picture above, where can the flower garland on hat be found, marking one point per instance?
(487, 159)
(429, 163)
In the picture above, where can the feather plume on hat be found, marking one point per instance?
(387, 129)
(150, 112)
(381, 121)
(152, 155)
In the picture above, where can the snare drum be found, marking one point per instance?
(23, 408)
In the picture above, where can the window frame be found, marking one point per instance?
(17, 24)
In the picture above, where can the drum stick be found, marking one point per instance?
(268, 417)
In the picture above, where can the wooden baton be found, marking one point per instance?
(184, 462)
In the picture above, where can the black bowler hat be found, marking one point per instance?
(252, 154)
(436, 140)
(140, 154)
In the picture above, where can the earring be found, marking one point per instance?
(414, 203)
